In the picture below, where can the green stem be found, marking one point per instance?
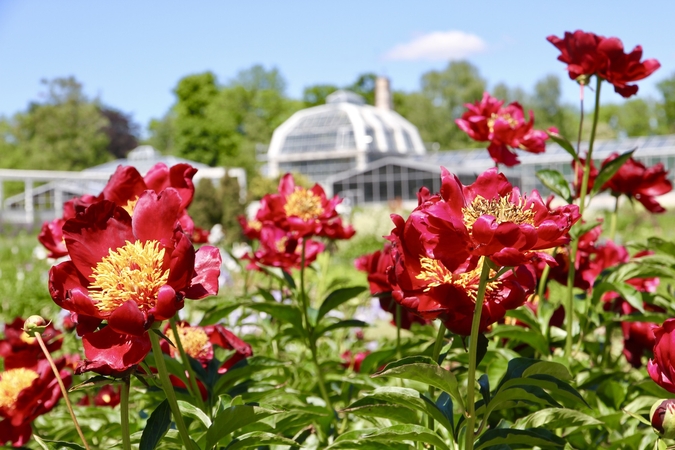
(613, 219)
(168, 391)
(438, 345)
(310, 330)
(589, 155)
(124, 413)
(398, 330)
(64, 392)
(473, 350)
(193, 387)
(569, 299)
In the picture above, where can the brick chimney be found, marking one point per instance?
(383, 98)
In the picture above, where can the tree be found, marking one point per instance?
(667, 89)
(121, 130)
(365, 87)
(66, 132)
(316, 95)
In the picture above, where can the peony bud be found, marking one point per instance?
(662, 417)
(34, 324)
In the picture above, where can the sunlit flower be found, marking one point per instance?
(306, 212)
(587, 54)
(662, 367)
(504, 127)
(20, 350)
(130, 272)
(279, 248)
(124, 188)
(26, 393)
(108, 395)
(635, 180)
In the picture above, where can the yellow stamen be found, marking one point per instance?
(194, 340)
(507, 117)
(303, 204)
(501, 209)
(131, 204)
(12, 382)
(436, 274)
(281, 244)
(106, 398)
(255, 224)
(133, 272)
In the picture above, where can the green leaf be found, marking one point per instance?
(523, 367)
(409, 398)
(232, 419)
(608, 170)
(638, 417)
(372, 407)
(350, 323)
(49, 444)
(258, 438)
(190, 410)
(338, 297)
(424, 370)
(530, 438)
(564, 143)
(92, 382)
(531, 337)
(628, 292)
(354, 440)
(214, 314)
(156, 427)
(553, 418)
(556, 182)
(280, 275)
(400, 433)
(281, 311)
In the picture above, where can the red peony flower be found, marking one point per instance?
(124, 188)
(587, 54)
(279, 248)
(305, 212)
(661, 368)
(130, 272)
(26, 393)
(108, 395)
(635, 180)
(353, 361)
(376, 266)
(490, 218)
(503, 127)
(20, 350)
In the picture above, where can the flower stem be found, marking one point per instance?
(193, 387)
(589, 154)
(310, 330)
(124, 414)
(168, 390)
(473, 350)
(398, 330)
(64, 392)
(613, 219)
(438, 345)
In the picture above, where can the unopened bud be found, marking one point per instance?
(662, 417)
(34, 324)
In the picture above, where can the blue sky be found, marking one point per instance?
(131, 54)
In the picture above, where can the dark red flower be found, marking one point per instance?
(108, 395)
(638, 337)
(305, 212)
(124, 188)
(353, 361)
(129, 272)
(579, 50)
(635, 180)
(376, 266)
(251, 228)
(26, 393)
(587, 54)
(662, 367)
(504, 127)
(279, 248)
(200, 236)
(489, 218)
(20, 350)
(623, 68)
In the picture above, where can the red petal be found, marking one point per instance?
(155, 216)
(111, 353)
(127, 319)
(207, 271)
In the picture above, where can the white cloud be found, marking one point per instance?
(438, 46)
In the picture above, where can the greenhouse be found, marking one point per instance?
(401, 177)
(343, 134)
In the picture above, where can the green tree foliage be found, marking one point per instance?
(218, 204)
(635, 117)
(667, 89)
(206, 209)
(316, 95)
(66, 131)
(232, 208)
(221, 125)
